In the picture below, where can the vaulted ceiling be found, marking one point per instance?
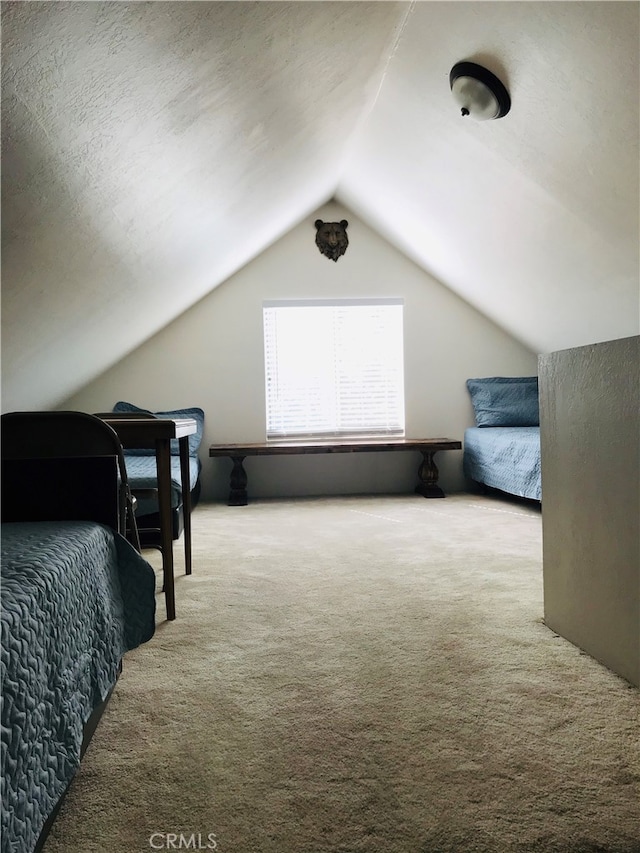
(151, 149)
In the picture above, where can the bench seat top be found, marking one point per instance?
(271, 448)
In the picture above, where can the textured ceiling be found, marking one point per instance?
(151, 149)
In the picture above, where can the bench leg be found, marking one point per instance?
(428, 475)
(238, 483)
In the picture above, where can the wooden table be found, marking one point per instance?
(427, 473)
(157, 433)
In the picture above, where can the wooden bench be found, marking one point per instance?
(427, 473)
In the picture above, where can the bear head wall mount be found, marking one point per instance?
(331, 238)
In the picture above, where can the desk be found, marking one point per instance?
(427, 473)
(157, 433)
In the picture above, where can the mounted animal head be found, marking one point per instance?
(331, 238)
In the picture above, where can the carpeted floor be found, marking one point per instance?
(361, 675)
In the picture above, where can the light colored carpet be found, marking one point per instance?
(361, 675)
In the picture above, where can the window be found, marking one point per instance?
(334, 368)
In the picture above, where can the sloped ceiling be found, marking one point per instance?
(152, 149)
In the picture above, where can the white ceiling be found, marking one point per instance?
(149, 150)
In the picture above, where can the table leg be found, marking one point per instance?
(186, 500)
(428, 475)
(238, 483)
(163, 463)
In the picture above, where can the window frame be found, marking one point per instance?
(389, 417)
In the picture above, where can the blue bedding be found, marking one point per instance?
(505, 458)
(142, 474)
(75, 597)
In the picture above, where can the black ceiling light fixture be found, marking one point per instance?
(478, 92)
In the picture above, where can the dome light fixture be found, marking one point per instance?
(478, 92)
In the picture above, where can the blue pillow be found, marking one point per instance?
(194, 440)
(505, 401)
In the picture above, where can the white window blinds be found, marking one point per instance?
(334, 368)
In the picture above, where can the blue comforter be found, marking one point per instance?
(505, 458)
(75, 597)
(142, 474)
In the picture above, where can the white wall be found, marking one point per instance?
(590, 514)
(212, 357)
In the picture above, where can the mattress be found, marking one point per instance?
(75, 597)
(505, 458)
(142, 474)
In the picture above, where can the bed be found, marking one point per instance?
(503, 450)
(142, 473)
(143, 478)
(76, 596)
